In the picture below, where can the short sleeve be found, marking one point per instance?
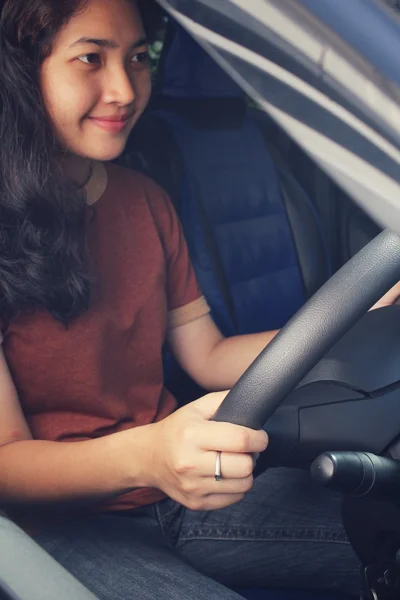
(185, 300)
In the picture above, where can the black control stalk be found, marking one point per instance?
(358, 474)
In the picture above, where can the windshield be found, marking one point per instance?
(327, 72)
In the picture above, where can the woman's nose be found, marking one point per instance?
(119, 87)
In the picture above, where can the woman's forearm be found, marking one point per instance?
(231, 357)
(78, 472)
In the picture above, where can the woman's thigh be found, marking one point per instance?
(126, 558)
(286, 532)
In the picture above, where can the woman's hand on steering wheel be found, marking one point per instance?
(185, 449)
(391, 297)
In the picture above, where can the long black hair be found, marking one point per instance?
(43, 262)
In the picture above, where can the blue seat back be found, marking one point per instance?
(231, 203)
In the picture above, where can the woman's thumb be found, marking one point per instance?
(208, 405)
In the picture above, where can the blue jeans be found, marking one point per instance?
(285, 533)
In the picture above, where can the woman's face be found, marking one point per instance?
(96, 82)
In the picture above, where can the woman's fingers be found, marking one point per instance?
(226, 437)
(233, 466)
(391, 297)
(209, 486)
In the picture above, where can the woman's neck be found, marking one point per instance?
(88, 175)
(79, 170)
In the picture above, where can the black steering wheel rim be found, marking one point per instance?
(313, 330)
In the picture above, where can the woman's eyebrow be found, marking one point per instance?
(104, 43)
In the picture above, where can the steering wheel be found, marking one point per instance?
(315, 328)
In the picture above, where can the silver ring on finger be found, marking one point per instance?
(217, 473)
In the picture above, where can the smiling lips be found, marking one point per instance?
(111, 124)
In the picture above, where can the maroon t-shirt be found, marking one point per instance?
(104, 372)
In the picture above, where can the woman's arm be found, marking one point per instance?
(34, 471)
(215, 362)
(176, 455)
(41, 471)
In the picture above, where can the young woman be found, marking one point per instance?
(95, 462)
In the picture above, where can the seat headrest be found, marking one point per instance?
(189, 72)
(192, 85)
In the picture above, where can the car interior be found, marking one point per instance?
(266, 229)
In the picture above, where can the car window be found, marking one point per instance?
(156, 48)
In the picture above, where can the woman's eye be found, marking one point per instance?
(142, 58)
(90, 59)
